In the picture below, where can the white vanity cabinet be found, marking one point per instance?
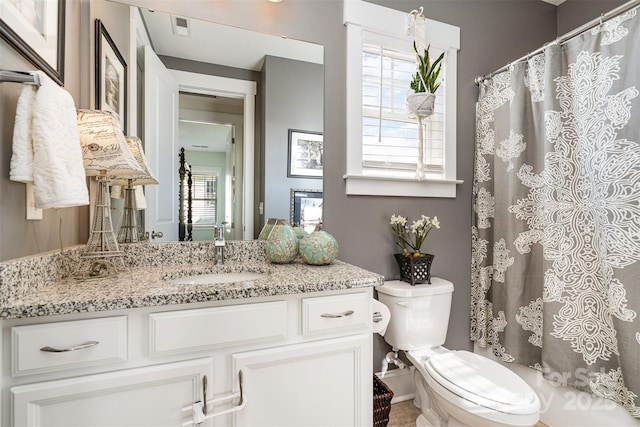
(147, 396)
(304, 359)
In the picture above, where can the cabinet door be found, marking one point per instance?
(149, 396)
(321, 383)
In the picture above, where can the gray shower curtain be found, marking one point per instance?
(556, 197)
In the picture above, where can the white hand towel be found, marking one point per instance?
(22, 157)
(118, 192)
(58, 173)
(141, 200)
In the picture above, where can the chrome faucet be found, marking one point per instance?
(218, 242)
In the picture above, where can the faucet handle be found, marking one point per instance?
(218, 235)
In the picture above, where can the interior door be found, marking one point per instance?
(161, 136)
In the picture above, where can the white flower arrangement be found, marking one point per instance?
(410, 239)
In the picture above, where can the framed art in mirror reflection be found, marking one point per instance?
(111, 76)
(306, 155)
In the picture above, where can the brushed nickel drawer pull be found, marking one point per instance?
(336, 316)
(74, 348)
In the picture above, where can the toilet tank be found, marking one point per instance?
(419, 314)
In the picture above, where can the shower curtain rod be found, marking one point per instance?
(568, 36)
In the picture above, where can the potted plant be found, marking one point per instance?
(424, 84)
(415, 266)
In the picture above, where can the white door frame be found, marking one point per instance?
(231, 88)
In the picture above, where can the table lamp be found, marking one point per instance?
(130, 230)
(105, 152)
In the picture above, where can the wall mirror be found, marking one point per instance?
(229, 97)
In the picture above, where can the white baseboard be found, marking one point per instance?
(400, 381)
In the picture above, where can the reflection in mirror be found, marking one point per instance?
(235, 142)
(306, 209)
(206, 131)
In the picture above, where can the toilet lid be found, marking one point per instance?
(482, 381)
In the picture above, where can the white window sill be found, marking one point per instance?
(371, 185)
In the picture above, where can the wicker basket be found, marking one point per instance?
(415, 270)
(382, 396)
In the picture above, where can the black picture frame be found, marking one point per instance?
(111, 76)
(37, 31)
(302, 199)
(305, 158)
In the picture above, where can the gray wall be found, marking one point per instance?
(574, 13)
(69, 226)
(293, 92)
(492, 34)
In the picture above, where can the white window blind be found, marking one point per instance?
(382, 141)
(389, 136)
(204, 198)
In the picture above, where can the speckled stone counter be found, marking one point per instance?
(41, 286)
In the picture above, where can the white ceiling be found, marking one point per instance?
(224, 45)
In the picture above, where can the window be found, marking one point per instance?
(204, 197)
(382, 141)
(389, 136)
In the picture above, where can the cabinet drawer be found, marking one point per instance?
(68, 345)
(198, 329)
(332, 313)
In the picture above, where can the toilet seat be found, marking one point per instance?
(482, 381)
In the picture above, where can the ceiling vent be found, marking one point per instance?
(180, 26)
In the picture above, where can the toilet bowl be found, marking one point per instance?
(453, 388)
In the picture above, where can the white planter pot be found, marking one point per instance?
(421, 104)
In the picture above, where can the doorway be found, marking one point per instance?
(213, 149)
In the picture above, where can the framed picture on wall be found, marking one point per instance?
(111, 76)
(306, 156)
(306, 209)
(35, 28)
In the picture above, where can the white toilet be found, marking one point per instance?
(453, 388)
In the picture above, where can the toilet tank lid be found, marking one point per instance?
(397, 288)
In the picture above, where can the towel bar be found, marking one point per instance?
(19, 77)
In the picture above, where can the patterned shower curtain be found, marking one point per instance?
(556, 232)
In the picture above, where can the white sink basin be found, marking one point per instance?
(212, 278)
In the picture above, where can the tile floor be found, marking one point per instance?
(404, 414)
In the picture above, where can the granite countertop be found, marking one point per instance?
(147, 284)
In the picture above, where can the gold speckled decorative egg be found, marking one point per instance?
(318, 248)
(282, 243)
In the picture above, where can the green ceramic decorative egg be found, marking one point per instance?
(268, 226)
(282, 243)
(318, 248)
